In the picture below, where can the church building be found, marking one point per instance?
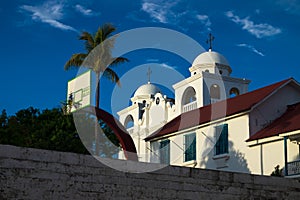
(214, 122)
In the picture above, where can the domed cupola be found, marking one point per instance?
(210, 57)
(211, 62)
(145, 93)
(147, 90)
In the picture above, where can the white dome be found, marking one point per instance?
(210, 57)
(147, 89)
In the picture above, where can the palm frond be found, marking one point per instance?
(118, 60)
(98, 36)
(103, 33)
(112, 76)
(107, 30)
(75, 60)
(89, 40)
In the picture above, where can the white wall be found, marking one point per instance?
(242, 158)
(260, 159)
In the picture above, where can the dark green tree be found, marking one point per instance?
(52, 130)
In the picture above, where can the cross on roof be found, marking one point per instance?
(149, 74)
(209, 40)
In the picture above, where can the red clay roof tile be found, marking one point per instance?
(217, 110)
(288, 122)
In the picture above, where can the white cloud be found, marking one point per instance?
(85, 11)
(165, 65)
(159, 11)
(174, 13)
(290, 6)
(204, 19)
(258, 30)
(251, 48)
(153, 60)
(50, 13)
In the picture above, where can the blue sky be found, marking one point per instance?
(260, 39)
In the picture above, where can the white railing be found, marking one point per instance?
(189, 106)
(130, 130)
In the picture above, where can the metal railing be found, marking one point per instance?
(293, 168)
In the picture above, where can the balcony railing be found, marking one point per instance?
(293, 168)
(130, 130)
(189, 106)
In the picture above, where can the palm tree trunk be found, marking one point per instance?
(98, 91)
(96, 120)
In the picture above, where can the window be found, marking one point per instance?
(164, 152)
(129, 122)
(154, 155)
(234, 92)
(215, 91)
(157, 101)
(221, 146)
(189, 96)
(142, 109)
(190, 147)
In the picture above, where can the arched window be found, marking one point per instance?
(188, 96)
(189, 100)
(234, 92)
(215, 92)
(129, 122)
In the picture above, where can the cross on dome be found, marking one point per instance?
(149, 74)
(209, 41)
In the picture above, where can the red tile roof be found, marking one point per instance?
(289, 121)
(217, 110)
(119, 130)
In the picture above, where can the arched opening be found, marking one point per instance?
(215, 92)
(189, 96)
(234, 92)
(189, 99)
(129, 122)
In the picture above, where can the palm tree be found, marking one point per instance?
(100, 59)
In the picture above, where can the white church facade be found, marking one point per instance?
(214, 122)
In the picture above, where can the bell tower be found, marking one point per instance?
(210, 81)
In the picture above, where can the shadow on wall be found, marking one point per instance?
(233, 161)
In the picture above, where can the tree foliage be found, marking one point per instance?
(52, 130)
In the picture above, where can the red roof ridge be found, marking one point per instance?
(233, 105)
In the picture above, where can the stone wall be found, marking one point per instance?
(40, 174)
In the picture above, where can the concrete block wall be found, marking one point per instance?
(40, 174)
